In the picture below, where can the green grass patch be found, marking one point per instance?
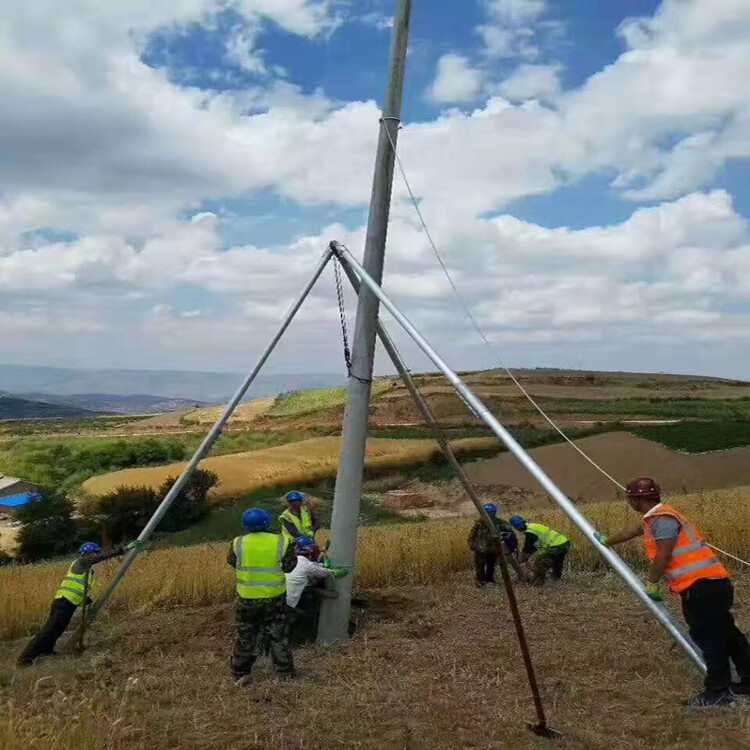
(697, 437)
(652, 408)
(297, 403)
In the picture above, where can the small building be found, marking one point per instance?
(10, 486)
(10, 504)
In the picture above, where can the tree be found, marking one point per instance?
(48, 528)
(122, 514)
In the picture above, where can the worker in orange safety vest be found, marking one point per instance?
(680, 556)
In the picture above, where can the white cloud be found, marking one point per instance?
(455, 82)
(532, 82)
(98, 144)
(510, 27)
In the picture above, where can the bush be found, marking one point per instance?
(121, 514)
(48, 527)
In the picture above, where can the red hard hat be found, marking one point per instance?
(643, 487)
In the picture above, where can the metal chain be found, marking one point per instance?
(344, 327)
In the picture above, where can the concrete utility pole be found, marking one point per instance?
(334, 618)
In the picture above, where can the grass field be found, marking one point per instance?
(67, 462)
(654, 408)
(302, 462)
(389, 555)
(298, 403)
(22, 427)
(697, 437)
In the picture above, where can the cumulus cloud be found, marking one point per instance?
(455, 82)
(99, 146)
(532, 82)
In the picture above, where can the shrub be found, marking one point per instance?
(48, 527)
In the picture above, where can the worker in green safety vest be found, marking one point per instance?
(298, 519)
(550, 547)
(75, 589)
(260, 560)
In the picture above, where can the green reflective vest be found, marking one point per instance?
(74, 587)
(303, 523)
(258, 567)
(547, 537)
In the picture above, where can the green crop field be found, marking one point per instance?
(297, 403)
(653, 408)
(697, 437)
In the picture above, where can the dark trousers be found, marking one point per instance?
(262, 626)
(707, 608)
(484, 564)
(551, 559)
(60, 614)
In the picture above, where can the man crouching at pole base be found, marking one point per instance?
(680, 556)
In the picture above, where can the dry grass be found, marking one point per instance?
(434, 667)
(302, 462)
(390, 555)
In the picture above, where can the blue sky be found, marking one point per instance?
(170, 174)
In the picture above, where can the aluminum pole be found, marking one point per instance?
(570, 510)
(208, 441)
(334, 616)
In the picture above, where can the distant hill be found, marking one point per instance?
(12, 407)
(208, 387)
(111, 404)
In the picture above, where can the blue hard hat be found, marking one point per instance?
(256, 519)
(89, 547)
(491, 508)
(518, 522)
(294, 497)
(305, 541)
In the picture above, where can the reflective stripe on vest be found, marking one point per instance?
(258, 567)
(547, 537)
(692, 559)
(74, 587)
(303, 523)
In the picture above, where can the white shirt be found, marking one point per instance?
(304, 573)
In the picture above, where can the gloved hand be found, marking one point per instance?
(136, 545)
(340, 572)
(654, 592)
(603, 539)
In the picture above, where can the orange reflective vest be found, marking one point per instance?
(692, 559)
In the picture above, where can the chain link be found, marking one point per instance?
(344, 327)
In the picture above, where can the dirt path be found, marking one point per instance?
(624, 456)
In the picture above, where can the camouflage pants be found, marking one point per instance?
(551, 559)
(262, 626)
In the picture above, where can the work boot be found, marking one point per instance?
(479, 584)
(243, 681)
(741, 688)
(710, 699)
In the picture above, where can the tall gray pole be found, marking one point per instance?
(334, 617)
(208, 441)
(570, 510)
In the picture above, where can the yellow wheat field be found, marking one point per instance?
(388, 555)
(304, 461)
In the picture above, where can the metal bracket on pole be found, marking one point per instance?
(570, 510)
(209, 440)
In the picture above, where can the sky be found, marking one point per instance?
(170, 174)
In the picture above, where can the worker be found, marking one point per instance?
(73, 591)
(306, 586)
(486, 546)
(260, 559)
(298, 519)
(680, 556)
(550, 546)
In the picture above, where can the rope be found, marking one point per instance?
(344, 327)
(464, 304)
